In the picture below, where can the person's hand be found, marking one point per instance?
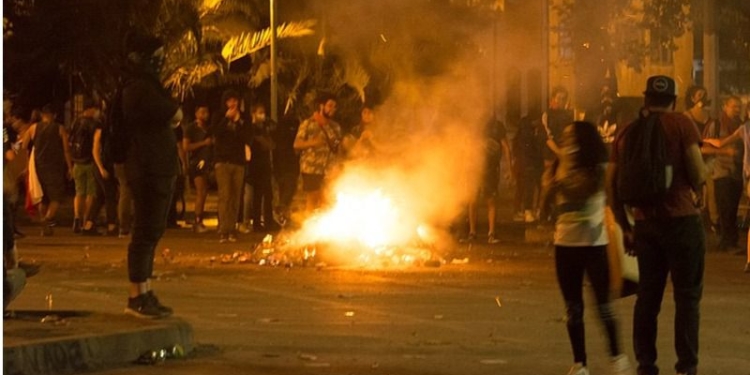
(713, 142)
(104, 173)
(233, 114)
(208, 141)
(629, 242)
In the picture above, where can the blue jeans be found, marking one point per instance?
(675, 246)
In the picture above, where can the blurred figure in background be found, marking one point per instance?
(199, 146)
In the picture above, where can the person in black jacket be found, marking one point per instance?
(151, 166)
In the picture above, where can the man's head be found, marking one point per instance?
(90, 107)
(145, 50)
(201, 113)
(326, 104)
(732, 107)
(696, 97)
(48, 113)
(231, 99)
(368, 115)
(258, 113)
(661, 92)
(559, 98)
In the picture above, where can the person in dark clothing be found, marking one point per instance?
(199, 146)
(151, 166)
(179, 192)
(52, 159)
(107, 191)
(668, 237)
(232, 136)
(260, 171)
(528, 166)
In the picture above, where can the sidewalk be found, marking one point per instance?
(68, 342)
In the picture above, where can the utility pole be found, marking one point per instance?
(274, 77)
(710, 52)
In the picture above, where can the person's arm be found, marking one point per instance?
(97, 153)
(508, 158)
(696, 170)
(192, 146)
(66, 150)
(28, 136)
(301, 143)
(721, 143)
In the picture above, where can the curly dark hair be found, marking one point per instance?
(591, 148)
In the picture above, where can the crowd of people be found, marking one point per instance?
(134, 161)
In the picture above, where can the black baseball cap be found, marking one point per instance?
(661, 85)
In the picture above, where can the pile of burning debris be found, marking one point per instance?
(284, 251)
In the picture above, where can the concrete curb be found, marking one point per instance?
(75, 341)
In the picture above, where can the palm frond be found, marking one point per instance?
(247, 43)
(294, 91)
(182, 81)
(259, 74)
(356, 77)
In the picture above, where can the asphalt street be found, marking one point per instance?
(495, 309)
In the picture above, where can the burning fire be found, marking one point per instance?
(368, 223)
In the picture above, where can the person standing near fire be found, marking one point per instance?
(260, 171)
(149, 116)
(318, 140)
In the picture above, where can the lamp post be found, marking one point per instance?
(274, 78)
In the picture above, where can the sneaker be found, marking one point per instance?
(518, 217)
(578, 369)
(621, 365)
(48, 229)
(147, 306)
(123, 233)
(470, 238)
(113, 232)
(528, 217)
(243, 228)
(223, 238)
(232, 238)
(76, 226)
(491, 239)
(199, 228)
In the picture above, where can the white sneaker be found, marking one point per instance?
(578, 369)
(621, 365)
(528, 216)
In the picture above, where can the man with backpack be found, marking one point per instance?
(81, 145)
(657, 173)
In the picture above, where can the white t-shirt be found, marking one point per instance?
(583, 226)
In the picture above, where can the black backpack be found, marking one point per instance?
(643, 171)
(81, 140)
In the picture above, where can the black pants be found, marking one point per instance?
(152, 196)
(673, 246)
(106, 196)
(571, 263)
(527, 185)
(262, 198)
(728, 192)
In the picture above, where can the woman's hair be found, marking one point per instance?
(591, 148)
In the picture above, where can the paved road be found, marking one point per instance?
(499, 313)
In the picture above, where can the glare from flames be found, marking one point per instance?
(362, 215)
